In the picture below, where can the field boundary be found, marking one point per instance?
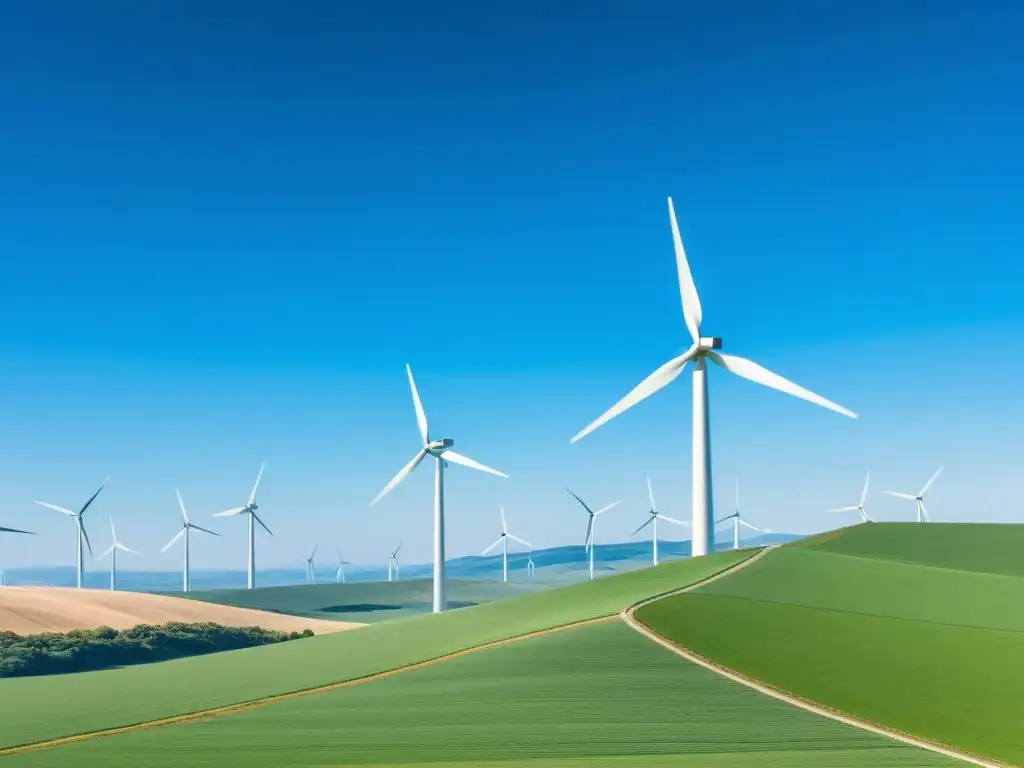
(629, 617)
(242, 706)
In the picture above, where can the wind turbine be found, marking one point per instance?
(310, 571)
(858, 507)
(437, 449)
(530, 567)
(702, 349)
(342, 562)
(737, 521)
(393, 559)
(82, 535)
(112, 551)
(922, 513)
(503, 540)
(186, 528)
(3, 530)
(250, 510)
(589, 545)
(653, 516)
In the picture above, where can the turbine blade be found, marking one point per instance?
(751, 527)
(123, 548)
(504, 525)
(583, 503)
(314, 551)
(184, 514)
(500, 539)
(606, 508)
(230, 512)
(748, 369)
(737, 496)
(899, 495)
(687, 289)
(673, 520)
(93, 497)
(649, 521)
(661, 377)
(113, 534)
(521, 541)
(402, 474)
(257, 519)
(650, 494)
(85, 535)
(590, 530)
(727, 517)
(854, 508)
(15, 530)
(65, 510)
(864, 493)
(174, 541)
(421, 417)
(924, 513)
(204, 530)
(929, 483)
(252, 496)
(109, 549)
(458, 458)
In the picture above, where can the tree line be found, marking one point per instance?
(82, 650)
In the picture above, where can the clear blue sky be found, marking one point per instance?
(225, 227)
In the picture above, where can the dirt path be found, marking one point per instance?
(629, 616)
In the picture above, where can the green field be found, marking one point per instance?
(877, 623)
(363, 601)
(34, 709)
(603, 694)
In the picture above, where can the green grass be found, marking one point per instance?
(42, 708)
(362, 601)
(987, 548)
(930, 651)
(604, 694)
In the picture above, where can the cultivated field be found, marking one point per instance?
(363, 601)
(34, 709)
(600, 695)
(32, 610)
(882, 621)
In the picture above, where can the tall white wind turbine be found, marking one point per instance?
(858, 507)
(440, 449)
(82, 535)
(250, 511)
(393, 561)
(112, 551)
(310, 570)
(918, 498)
(702, 349)
(589, 544)
(653, 517)
(3, 530)
(186, 532)
(737, 521)
(503, 540)
(339, 577)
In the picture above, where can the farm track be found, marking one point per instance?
(629, 617)
(230, 709)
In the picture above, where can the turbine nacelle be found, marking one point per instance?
(437, 447)
(709, 342)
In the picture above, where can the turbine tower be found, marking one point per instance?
(250, 510)
(737, 521)
(393, 560)
(858, 507)
(82, 535)
(3, 530)
(922, 513)
(112, 551)
(589, 545)
(186, 531)
(653, 516)
(339, 577)
(438, 449)
(310, 570)
(702, 349)
(503, 540)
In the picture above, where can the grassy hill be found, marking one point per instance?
(363, 601)
(916, 627)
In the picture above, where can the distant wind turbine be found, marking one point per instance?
(250, 510)
(112, 551)
(653, 516)
(702, 349)
(737, 521)
(340, 575)
(3, 530)
(441, 451)
(530, 567)
(310, 570)
(503, 540)
(922, 513)
(186, 531)
(589, 545)
(393, 561)
(82, 535)
(858, 507)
